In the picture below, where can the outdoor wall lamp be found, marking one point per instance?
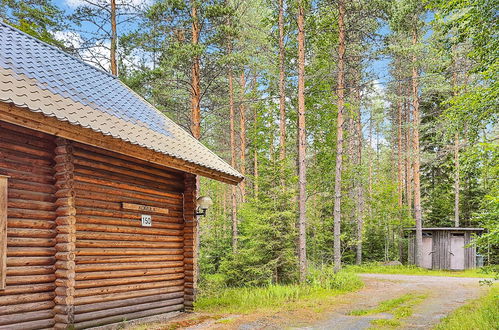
(203, 203)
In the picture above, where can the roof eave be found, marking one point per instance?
(39, 122)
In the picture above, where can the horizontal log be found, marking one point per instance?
(30, 251)
(31, 186)
(123, 186)
(23, 158)
(31, 325)
(30, 223)
(31, 270)
(25, 298)
(30, 195)
(90, 235)
(170, 224)
(84, 189)
(31, 214)
(127, 279)
(121, 259)
(26, 316)
(27, 288)
(129, 316)
(117, 205)
(13, 262)
(26, 167)
(128, 230)
(126, 295)
(127, 309)
(34, 242)
(27, 133)
(30, 279)
(87, 211)
(12, 144)
(127, 273)
(33, 233)
(173, 185)
(126, 288)
(126, 265)
(85, 310)
(127, 252)
(28, 307)
(97, 155)
(95, 243)
(28, 176)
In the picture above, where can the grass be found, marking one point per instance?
(480, 314)
(244, 300)
(378, 268)
(401, 308)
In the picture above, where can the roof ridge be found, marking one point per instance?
(57, 49)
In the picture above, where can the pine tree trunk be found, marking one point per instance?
(339, 137)
(417, 184)
(408, 159)
(456, 161)
(456, 180)
(302, 183)
(232, 152)
(255, 141)
(399, 151)
(242, 122)
(282, 86)
(114, 39)
(360, 193)
(195, 79)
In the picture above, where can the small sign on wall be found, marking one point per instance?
(146, 220)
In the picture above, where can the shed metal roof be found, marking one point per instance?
(44, 79)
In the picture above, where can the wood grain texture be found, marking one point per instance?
(3, 231)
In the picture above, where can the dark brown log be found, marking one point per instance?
(125, 273)
(25, 298)
(14, 319)
(126, 244)
(126, 252)
(29, 307)
(126, 295)
(126, 265)
(127, 279)
(40, 324)
(129, 316)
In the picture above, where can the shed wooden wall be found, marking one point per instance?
(441, 247)
(27, 157)
(74, 255)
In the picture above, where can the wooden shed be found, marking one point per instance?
(97, 195)
(445, 248)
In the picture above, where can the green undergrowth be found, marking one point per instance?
(378, 268)
(480, 314)
(401, 308)
(321, 284)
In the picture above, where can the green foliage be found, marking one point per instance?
(480, 314)
(216, 297)
(38, 18)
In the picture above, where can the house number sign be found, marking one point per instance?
(146, 220)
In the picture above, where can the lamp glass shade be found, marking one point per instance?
(204, 202)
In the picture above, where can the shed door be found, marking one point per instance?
(427, 250)
(457, 251)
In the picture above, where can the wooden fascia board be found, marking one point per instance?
(37, 121)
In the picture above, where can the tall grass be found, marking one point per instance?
(321, 283)
(378, 268)
(480, 314)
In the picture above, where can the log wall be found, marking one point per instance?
(124, 270)
(27, 157)
(75, 256)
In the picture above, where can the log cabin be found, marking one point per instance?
(445, 248)
(97, 195)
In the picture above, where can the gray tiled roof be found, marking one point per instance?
(47, 80)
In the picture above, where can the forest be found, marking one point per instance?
(351, 121)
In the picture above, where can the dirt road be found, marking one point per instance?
(443, 295)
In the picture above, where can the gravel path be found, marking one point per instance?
(445, 294)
